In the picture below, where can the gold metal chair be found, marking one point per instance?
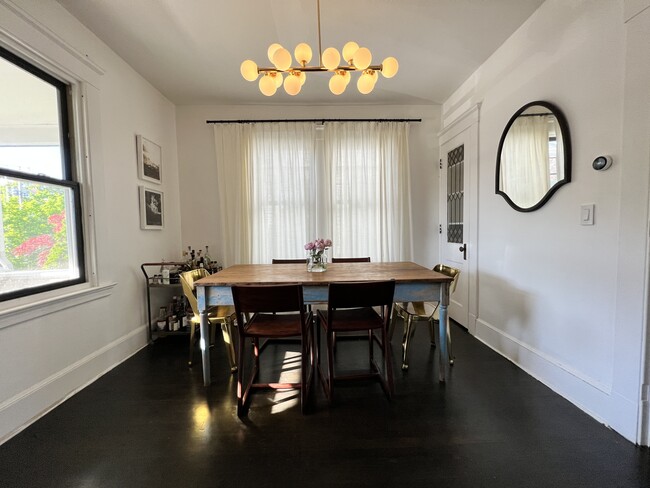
(411, 312)
(223, 315)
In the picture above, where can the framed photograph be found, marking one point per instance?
(151, 209)
(149, 160)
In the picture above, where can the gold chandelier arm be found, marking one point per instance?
(307, 69)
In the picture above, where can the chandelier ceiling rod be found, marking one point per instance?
(294, 77)
(320, 45)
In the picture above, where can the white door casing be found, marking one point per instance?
(459, 213)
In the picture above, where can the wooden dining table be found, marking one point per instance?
(412, 283)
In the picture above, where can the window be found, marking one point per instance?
(282, 185)
(41, 245)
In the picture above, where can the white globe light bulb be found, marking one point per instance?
(362, 58)
(337, 84)
(267, 86)
(271, 50)
(331, 58)
(277, 77)
(389, 67)
(292, 85)
(248, 70)
(282, 59)
(346, 75)
(302, 53)
(301, 76)
(349, 50)
(365, 84)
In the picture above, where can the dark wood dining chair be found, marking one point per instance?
(288, 261)
(413, 312)
(350, 308)
(271, 312)
(351, 260)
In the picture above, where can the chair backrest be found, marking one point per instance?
(351, 260)
(267, 298)
(187, 280)
(361, 294)
(449, 271)
(288, 261)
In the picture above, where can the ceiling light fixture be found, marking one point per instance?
(294, 77)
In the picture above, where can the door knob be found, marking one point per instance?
(463, 249)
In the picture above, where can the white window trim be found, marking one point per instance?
(53, 54)
(30, 307)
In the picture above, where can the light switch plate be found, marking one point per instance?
(587, 214)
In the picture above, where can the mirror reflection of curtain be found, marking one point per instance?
(281, 186)
(525, 160)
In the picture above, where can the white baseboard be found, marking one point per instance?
(24, 408)
(594, 398)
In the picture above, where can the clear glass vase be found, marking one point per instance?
(317, 262)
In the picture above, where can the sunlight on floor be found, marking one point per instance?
(201, 419)
(286, 399)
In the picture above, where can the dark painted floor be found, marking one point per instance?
(150, 422)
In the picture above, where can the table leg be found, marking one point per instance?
(205, 347)
(442, 331)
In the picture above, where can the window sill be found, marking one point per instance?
(14, 313)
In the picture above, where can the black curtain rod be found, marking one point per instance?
(307, 120)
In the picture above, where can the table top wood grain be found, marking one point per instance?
(270, 274)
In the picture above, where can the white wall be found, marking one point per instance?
(565, 301)
(50, 350)
(198, 174)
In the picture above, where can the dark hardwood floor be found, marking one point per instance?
(150, 422)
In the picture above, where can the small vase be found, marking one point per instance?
(317, 263)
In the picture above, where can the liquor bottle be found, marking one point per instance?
(207, 258)
(164, 271)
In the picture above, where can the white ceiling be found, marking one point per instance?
(191, 50)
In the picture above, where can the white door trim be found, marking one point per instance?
(469, 120)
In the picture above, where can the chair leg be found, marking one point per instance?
(388, 363)
(304, 372)
(213, 335)
(226, 331)
(330, 365)
(432, 332)
(241, 411)
(393, 320)
(256, 353)
(406, 340)
(192, 344)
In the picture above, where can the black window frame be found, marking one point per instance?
(69, 178)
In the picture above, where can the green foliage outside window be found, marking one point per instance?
(35, 231)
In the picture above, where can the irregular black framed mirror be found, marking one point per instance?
(534, 156)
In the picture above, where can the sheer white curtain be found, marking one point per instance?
(527, 140)
(367, 168)
(266, 179)
(233, 158)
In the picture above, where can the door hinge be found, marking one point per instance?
(440, 229)
(441, 164)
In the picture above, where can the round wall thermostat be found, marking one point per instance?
(601, 163)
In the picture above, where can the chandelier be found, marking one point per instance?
(294, 77)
